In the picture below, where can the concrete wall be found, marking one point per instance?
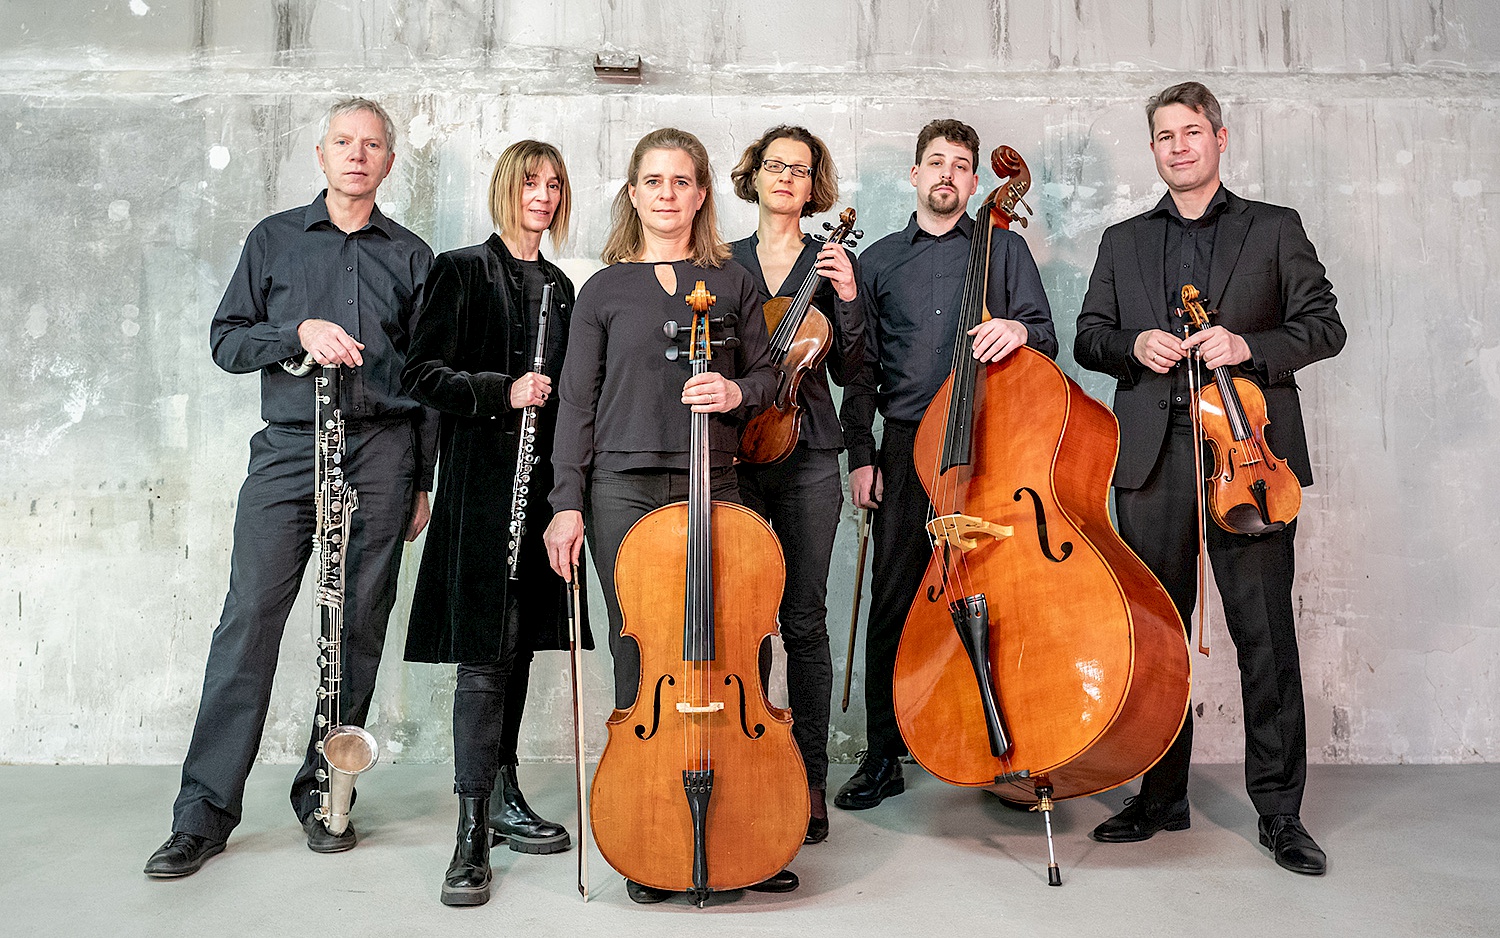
(142, 139)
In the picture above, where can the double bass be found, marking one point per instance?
(1041, 659)
(700, 787)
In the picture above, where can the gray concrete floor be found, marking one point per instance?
(1414, 851)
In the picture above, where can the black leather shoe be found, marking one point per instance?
(817, 830)
(319, 840)
(467, 881)
(785, 881)
(182, 855)
(513, 822)
(1141, 819)
(1291, 844)
(878, 778)
(645, 895)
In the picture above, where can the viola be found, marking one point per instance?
(1250, 490)
(700, 787)
(1041, 658)
(800, 337)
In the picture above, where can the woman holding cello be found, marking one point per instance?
(789, 175)
(623, 431)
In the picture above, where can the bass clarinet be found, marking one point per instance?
(346, 750)
(526, 457)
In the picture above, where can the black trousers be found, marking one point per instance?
(487, 705)
(1254, 575)
(801, 497)
(273, 530)
(615, 501)
(902, 550)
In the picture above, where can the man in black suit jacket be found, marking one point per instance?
(1276, 313)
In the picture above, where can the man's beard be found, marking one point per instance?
(943, 204)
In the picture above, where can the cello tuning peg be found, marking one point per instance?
(828, 226)
(728, 320)
(857, 234)
(673, 353)
(671, 328)
(729, 343)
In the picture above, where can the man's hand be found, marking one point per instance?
(997, 338)
(421, 513)
(1219, 347)
(564, 540)
(531, 389)
(329, 344)
(833, 263)
(866, 487)
(711, 393)
(1159, 350)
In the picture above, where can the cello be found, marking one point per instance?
(700, 787)
(1041, 659)
(800, 334)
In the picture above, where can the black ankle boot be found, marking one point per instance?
(467, 881)
(512, 821)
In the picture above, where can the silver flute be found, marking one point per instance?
(346, 750)
(526, 458)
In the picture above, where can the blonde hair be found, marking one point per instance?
(825, 178)
(626, 237)
(520, 161)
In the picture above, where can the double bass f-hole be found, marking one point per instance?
(1066, 547)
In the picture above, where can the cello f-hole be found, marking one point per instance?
(640, 728)
(1066, 547)
(760, 728)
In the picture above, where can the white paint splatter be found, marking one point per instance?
(1403, 157)
(218, 157)
(139, 7)
(1467, 188)
(420, 132)
(130, 311)
(1058, 190)
(393, 747)
(119, 210)
(36, 321)
(1387, 187)
(131, 328)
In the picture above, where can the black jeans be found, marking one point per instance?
(273, 529)
(617, 500)
(802, 497)
(487, 705)
(1254, 576)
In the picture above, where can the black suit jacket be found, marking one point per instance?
(1268, 287)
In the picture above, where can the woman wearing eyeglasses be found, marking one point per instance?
(789, 175)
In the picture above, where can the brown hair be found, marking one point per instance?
(1191, 94)
(520, 161)
(626, 238)
(951, 130)
(825, 178)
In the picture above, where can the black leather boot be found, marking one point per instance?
(467, 881)
(513, 822)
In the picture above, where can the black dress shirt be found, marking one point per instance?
(1188, 257)
(820, 421)
(913, 282)
(297, 265)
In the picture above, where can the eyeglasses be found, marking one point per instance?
(775, 168)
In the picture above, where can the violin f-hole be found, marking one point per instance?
(640, 728)
(1066, 547)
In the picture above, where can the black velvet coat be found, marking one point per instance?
(468, 346)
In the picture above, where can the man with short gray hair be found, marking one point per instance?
(338, 281)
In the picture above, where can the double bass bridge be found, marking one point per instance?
(963, 531)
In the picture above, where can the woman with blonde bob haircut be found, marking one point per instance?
(471, 361)
(623, 408)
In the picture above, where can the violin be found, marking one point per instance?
(800, 337)
(1041, 658)
(700, 787)
(1250, 491)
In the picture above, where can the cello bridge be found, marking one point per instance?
(963, 531)
(713, 706)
